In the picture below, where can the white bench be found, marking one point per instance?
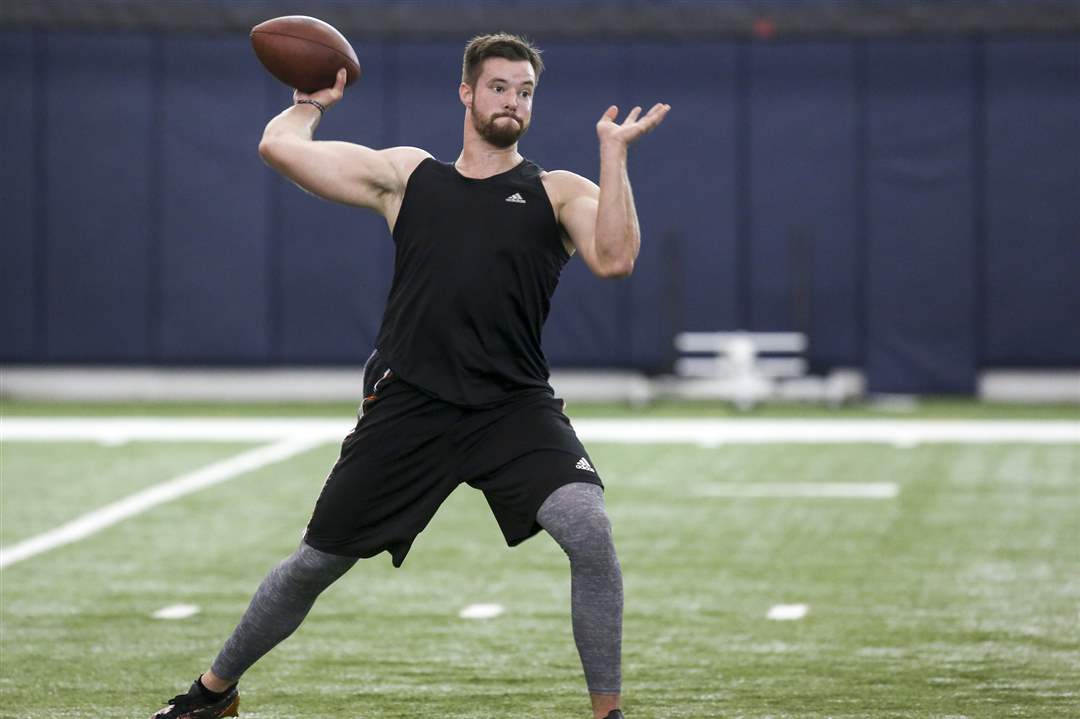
(732, 366)
(751, 367)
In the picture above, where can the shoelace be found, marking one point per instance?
(190, 700)
(181, 701)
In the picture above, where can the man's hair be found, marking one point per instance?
(500, 44)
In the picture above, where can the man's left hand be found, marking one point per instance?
(632, 127)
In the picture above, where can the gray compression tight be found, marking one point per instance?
(281, 602)
(574, 515)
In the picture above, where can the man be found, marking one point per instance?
(457, 389)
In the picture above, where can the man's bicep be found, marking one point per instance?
(337, 171)
(578, 218)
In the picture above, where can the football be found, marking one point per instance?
(304, 52)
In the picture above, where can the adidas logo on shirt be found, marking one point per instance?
(584, 464)
(516, 197)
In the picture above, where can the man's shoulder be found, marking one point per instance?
(563, 185)
(405, 159)
(563, 177)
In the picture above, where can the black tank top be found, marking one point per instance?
(475, 266)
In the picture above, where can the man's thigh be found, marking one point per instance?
(520, 457)
(394, 470)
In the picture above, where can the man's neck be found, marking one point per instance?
(479, 159)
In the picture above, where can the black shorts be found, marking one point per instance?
(409, 451)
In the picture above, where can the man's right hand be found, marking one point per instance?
(327, 97)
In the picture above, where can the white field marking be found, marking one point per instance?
(167, 491)
(803, 490)
(706, 432)
(176, 611)
(826, 431)
(481, 611)
(787, 612)
(185, 429)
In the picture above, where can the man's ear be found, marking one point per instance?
(465, 92)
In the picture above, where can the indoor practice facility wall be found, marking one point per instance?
(910, 204)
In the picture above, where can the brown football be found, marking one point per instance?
(304, 52)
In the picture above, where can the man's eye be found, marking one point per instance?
(498, 88)
(526, 93)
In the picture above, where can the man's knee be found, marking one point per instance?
(575, 517)
(592, 528)
(310, 569)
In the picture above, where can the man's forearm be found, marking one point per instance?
(618, 237)
(296, 122)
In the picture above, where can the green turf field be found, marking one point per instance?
(960, 597)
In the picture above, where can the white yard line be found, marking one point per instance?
(139, 502)
(826, 431)
(708, 432)
(169, 429)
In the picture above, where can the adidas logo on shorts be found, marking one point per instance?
(584, 464)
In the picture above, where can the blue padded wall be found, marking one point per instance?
(684, 181)
(426, 107)
(20, 177)
(332, 263)
(214, 259)
(587, 323)
(804, 270)
(1032, 292)
(920, 195)
(98, 220)
(911, 204)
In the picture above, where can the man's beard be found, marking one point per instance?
(501, 135)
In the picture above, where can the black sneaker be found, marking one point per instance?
(199, 703)
(615, 714)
